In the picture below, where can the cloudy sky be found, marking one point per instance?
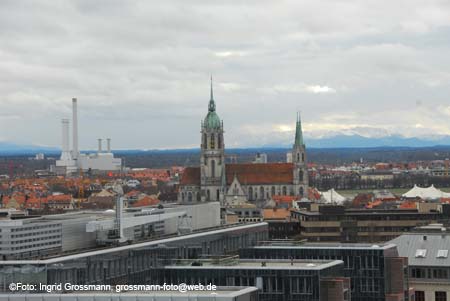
(141, 69)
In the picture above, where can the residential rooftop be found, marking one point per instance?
(424, 249)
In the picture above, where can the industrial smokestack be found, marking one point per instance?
(99, 145)
(75, 151)
(65, 154)
(108, 145)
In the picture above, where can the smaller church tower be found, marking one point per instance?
(300, 169)
(212, 156)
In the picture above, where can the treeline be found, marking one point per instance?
(354, 182)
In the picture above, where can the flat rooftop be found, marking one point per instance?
(221, 291)
(329, 245)
(366, 212)
(261, 264)
(155, 243)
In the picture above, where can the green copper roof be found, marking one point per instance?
(212, 120)
(298, 132)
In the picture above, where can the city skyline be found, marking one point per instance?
(141, 70)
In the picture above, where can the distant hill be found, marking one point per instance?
(335, 142)
(7, 148)
(342, 141)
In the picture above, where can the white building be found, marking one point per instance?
(72, 160)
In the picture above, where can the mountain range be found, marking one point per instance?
(337, 141)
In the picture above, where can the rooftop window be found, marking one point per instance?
(421, 253)
(442, 254)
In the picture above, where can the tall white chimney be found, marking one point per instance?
(65, 154)
(99, 145)
(75, 151)
(108, 145)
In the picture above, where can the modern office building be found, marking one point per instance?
(377, 272)
(429, 263)
(130, 264)
(29, 237)
(36, 237)
(277, 280)
(335, 223)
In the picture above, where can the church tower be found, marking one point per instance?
(300, 169)
(212, 155)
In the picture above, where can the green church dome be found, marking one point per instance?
(212, 120)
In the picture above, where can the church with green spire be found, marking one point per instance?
(216, 180)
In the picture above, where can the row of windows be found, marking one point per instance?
(249, 219)
(35, 233)
(431, 273)
(255, 193)
(247, 213)
(368, 217)
(36, 245)
(16, 242)
(438, 296)
(34, 227)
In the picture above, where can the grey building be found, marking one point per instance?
(130, 264)
(429, 263)
(28, 237)
(35, 237)
(277, 280)
(377, 272)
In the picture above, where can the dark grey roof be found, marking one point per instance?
(408, 244)
(328, 245)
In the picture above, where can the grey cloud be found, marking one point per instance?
(142, 67)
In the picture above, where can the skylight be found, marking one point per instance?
(421, 253)
(442, 254)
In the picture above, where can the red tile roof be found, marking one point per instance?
(146, 201)
(260, 174)
(59, 198)
(191, 176)
(276, 214)
(284, 198)
(408, 205)
(247, 173)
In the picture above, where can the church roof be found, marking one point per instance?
(260, 174)
(212, 120)
(191, 176)
(247, 174)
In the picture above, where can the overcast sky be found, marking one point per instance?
(140, 69)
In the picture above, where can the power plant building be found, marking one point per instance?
(72, 160)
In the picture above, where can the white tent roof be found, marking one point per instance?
(332, 197)
(428, 193)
